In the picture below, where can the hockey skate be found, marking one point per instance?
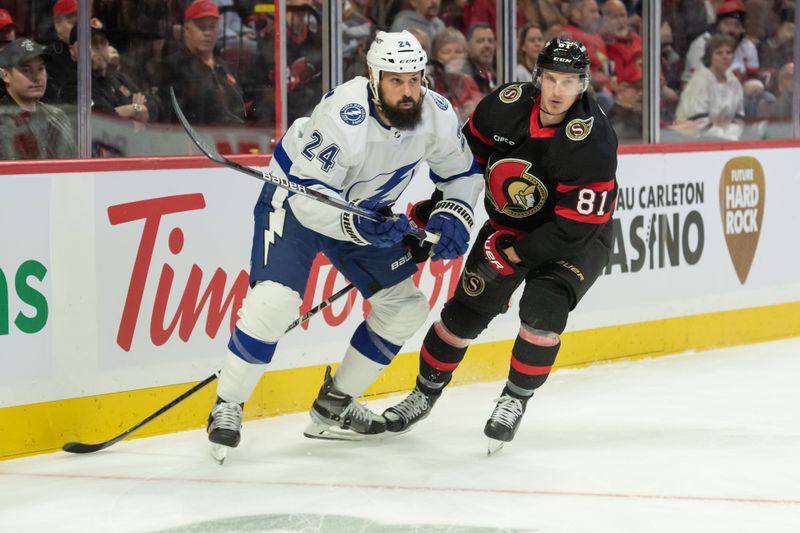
(224, 428)
(414, 407)
(338, 416)
(502, 425)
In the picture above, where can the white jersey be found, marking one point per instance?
(345, 150)
(745, 56)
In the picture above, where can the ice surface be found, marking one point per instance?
(705, 442)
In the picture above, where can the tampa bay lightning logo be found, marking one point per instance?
(440, 101)
(353, 114)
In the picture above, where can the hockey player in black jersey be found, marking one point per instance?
(549, 157)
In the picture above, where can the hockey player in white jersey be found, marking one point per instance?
(364, 142)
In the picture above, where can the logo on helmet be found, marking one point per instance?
(578, 129)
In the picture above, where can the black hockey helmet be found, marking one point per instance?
(564, 55)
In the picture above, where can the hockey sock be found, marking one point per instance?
(532, 358)
(441, 353)
(238, 379)
(364, 360)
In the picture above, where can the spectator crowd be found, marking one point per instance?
(726, 65)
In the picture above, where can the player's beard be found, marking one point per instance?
(402, 119)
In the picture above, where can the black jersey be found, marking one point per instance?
(555, 187)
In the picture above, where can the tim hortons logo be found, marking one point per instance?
(741, 201)
(180, 308)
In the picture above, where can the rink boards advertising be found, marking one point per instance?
(119, 285)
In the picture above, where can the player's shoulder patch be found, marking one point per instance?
(578, 129)
(510, 94)
(440, 101)
(353, 113)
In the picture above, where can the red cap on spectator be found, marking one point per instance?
(630, 73)
(65, 7)
(200, 9)
(5, 19)
(730, 7)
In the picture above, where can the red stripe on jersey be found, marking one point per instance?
(499, 227)
(597, 186)
(435, 363)
(477, 134)
(535, 129)
(529, 370)
(572, 214)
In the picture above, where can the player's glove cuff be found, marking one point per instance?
(493, 253)
(460, 211)
(351, 231)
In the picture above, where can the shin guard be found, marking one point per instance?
(532, 358)
(441, 353)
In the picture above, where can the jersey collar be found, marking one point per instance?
(536, 129)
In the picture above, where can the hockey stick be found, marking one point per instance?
(81, 447)
(284, 183)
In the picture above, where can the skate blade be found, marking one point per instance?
(319, 430)
(494, 446)
(219, 452)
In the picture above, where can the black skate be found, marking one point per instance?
(502, 425)
(414, 407)
(338, 416)
(224, 428)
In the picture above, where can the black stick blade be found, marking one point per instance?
(80, 447)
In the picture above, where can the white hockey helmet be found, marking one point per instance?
(394, 52)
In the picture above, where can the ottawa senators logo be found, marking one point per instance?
(513, 190)
(511, 94)
(473, 284)
(578, 130)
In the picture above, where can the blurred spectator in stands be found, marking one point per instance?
(778, 49)
(204, 87)
(424, 15)
(730, 21)
(754, 93)
(671, 62)
(485, 11)
(29, 128)
(234, 32)
(584, 24)
(357, 32)
(546, 13)
(622, 45)
(448, 55)
(762, 18)
(626, 115)
(712, 104)
(452, 13)
(304, 56)
(61, 69)
(688, 19)
(530, 42)
(481, 48)
(781, 106)
(422, 37)
(112, 92)
(7, 28)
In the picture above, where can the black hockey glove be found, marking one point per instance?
(496, 266)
